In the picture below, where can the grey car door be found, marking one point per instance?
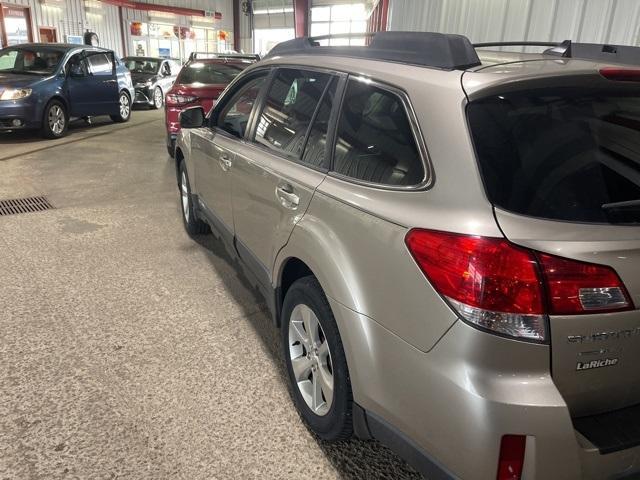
(213, 151)
(275, 176)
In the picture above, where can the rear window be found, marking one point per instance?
(210, 73)
(562, 154)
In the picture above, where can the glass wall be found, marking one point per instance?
(164, 40)
(337, 20)
(17, 25)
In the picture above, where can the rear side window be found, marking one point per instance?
(210, 73)
(289, 107)
(315, 150)
(562, 154)
(375, 142)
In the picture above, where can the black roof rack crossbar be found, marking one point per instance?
(559, 49)
(436, 50)
(623, 54)
(241, 56)
(515, 44)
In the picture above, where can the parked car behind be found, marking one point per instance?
(449, 241)
(200, 83)
(43, 86)
(152, 78)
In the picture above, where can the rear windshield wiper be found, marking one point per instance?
(629, 204)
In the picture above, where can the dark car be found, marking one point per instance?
(43, 86)
(152, 78)
(200, 83)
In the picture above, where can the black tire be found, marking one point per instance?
(337, 423)
(171, 148)
(124, 113)
(192, 224)
(155, 105)
(54, 108)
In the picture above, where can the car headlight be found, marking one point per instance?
(148, 83)
(15, 93)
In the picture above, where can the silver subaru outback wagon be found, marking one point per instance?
(448, 238)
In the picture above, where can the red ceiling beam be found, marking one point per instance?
(148, 7)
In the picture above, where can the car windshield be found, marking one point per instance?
(142, 65)
(210, 73)
(30, 60)
(569, 154)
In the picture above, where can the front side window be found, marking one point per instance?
(289, 107)
(234, 116)
(375, 142)
(568, 154)
(77, 66)
(100, 64)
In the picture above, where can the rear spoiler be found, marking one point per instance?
(622, 54)
(235, 56)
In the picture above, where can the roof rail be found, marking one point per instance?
(436, 50)
(623, 54)
(240, 56)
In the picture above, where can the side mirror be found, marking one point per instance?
(192, 117)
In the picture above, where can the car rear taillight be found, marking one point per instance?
(179, 100)
(621, 74)
(511, 460)
(510, 290)
(578, 287)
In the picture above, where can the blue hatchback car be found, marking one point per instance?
(44, 86)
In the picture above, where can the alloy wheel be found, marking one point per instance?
(157, 98)
(311, 360)
(125, 108)
(184, 194)
(56, 120)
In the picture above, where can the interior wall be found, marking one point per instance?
(598, 21)
(71, 18)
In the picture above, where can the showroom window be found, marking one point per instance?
(16, 25)
(375, 142)
(273, 23)
(339, 20)
(289, 108)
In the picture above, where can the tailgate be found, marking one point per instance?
(595, 357)
(561, 165)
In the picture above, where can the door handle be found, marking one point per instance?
(286, 195)
(109, 81)
(225, 162)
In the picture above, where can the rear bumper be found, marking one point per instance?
(448, 409)
(172, 120)
(24, 111)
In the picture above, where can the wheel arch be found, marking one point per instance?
(127, 93)
(60, 99)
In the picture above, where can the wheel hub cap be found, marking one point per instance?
(311, 360)
(124, 106)
(184, 193)
(56, 119)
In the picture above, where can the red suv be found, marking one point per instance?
(199, 83)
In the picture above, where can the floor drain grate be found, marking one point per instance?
(24, 205)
